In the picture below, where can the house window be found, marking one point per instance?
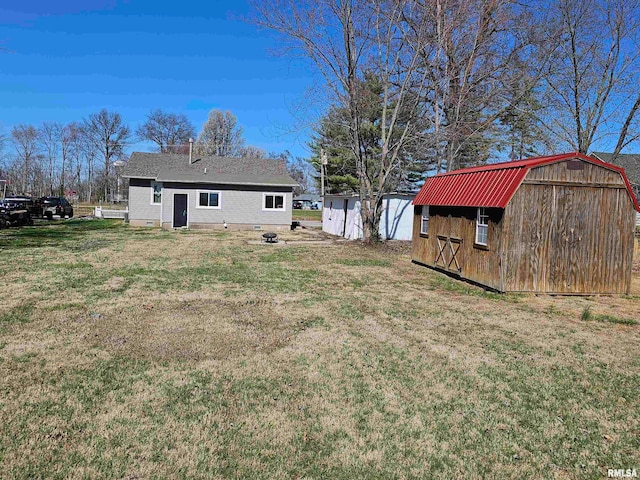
(424, 220)
(482, 226)
(273, 202)
(156, 193)
(208, 199)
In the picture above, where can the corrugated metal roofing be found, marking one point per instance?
(493, 185)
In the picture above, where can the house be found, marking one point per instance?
(560, 224)
(175, 191)
(630, 163)
(341, 215)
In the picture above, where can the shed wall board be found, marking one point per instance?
(571, 232)
(590, 173)
(353, 227)
(563, 239)
(333, 215)
(477, 263)
(396, 221)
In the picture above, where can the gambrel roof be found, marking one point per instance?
(494, 185)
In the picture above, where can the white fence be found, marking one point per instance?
(637, 219)
(103, 213)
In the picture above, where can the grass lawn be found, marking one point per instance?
(139, 353)
(314, 215)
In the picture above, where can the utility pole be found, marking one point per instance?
(323, 163)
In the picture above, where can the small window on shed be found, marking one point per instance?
(575, 165)
(482, 226)
(424, 220)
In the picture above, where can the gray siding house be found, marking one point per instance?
(172, 191)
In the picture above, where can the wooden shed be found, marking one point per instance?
(560, 224)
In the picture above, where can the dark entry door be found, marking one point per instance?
(346, 213)
(179, 210)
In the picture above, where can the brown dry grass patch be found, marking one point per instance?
(134, 353)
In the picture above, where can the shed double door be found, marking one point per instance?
(570, 255)
(448, 253)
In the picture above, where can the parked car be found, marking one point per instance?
(297, 205)
(50, 206)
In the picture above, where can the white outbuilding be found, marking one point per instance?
(341, 216)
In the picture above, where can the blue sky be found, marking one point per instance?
(64, 59)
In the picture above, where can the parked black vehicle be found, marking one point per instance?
(50, 206)
(23, 202)
(14, 211)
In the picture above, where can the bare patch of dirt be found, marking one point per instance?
(208, 328)
(115, 283)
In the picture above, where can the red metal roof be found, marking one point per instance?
(493, 185)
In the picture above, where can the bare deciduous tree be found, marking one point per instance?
(49, 136)
(591, 85)
(25, 141)
(77, 145)
(169, 131)
(474, 50)
(68, 140)
(86, 154)
(3, 140)
(346, 40)
(221, 135)
(108, 134)
(301, 172)
(252, 152)
(3, 143)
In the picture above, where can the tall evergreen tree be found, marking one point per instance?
(333, 137)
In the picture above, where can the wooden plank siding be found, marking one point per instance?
(568, 229)
(575, 171)
(477, 263)
(562, 234)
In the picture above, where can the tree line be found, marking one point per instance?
(415, 87)
(55, 158)
(84, 159)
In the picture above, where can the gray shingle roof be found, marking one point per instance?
(201, 177)
(165, 167)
